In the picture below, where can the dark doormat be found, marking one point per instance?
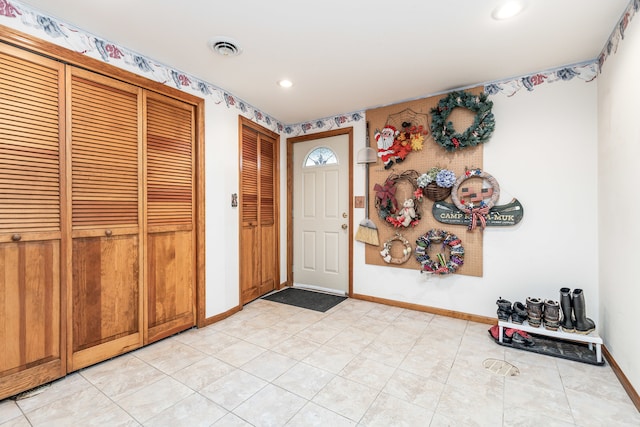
(570, 350)
(317, 301)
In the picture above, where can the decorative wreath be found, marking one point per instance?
(479, 132)
(407, 215)
(386, 250)
(439, 266)
(477, 213)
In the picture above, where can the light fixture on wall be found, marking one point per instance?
(225, 46)
(508, 9)
(367, 155)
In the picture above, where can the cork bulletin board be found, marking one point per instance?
(431, 155)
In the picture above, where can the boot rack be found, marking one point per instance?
(591, 339)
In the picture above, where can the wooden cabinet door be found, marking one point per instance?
(258, 212)
(170, 214)
(31, 279)
(105, 157)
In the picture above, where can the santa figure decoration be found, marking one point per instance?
(385, 140)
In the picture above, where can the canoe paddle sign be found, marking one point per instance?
(474, 204)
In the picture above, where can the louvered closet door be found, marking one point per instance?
(170, 142)
(267, 216)
(106, 196)
(258, 229)
(31, 118)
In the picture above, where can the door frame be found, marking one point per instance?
(290, 145)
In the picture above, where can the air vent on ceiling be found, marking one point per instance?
(225, 46)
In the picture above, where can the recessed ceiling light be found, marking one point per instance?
(225, 46)
(508, 9)
(285, 83)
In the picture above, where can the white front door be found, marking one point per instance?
(320, 213)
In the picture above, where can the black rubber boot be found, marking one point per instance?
(566, 305)
(584, 325)
(534, 311)
(519, 313)
(551, 315)
(504, 309)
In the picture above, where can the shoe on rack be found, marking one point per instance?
(566, 304)
(504, 309)
(534, 311)
(583, 324)
(551, 315)
(518, 313)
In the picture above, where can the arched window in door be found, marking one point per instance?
(320, 156)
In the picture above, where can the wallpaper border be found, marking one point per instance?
(23, 18)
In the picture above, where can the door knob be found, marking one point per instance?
(344, 226)
(108, 233)
(344, 215)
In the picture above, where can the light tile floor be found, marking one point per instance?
(360, 364)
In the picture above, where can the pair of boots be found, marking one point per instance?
(574, 313)
(547, 311)
(517, 311)
(534, 312)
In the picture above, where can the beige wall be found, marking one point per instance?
(619, 203)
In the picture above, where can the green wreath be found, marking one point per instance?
(479, 132)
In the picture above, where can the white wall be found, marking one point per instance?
(222, 220)
(221, 223)
(619, 203)
(543, 152)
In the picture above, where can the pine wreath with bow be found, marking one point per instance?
(480, 130)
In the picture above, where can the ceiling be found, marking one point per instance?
(347, 55)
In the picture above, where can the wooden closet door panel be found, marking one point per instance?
(30, 306)
(170, 216)
(31, 116)
(250, 249)
(109, 311)
(259, 255)
(250, 263)
(31, 279)
(171, 299)
(268, 229)
(106, 297)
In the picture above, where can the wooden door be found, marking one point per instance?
(105, 157)
(31, 227)
(259, 248)
(170, 213)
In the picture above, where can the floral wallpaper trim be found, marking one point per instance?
(15, 15)
(617, 35)
(23, 18)
(586, 71)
